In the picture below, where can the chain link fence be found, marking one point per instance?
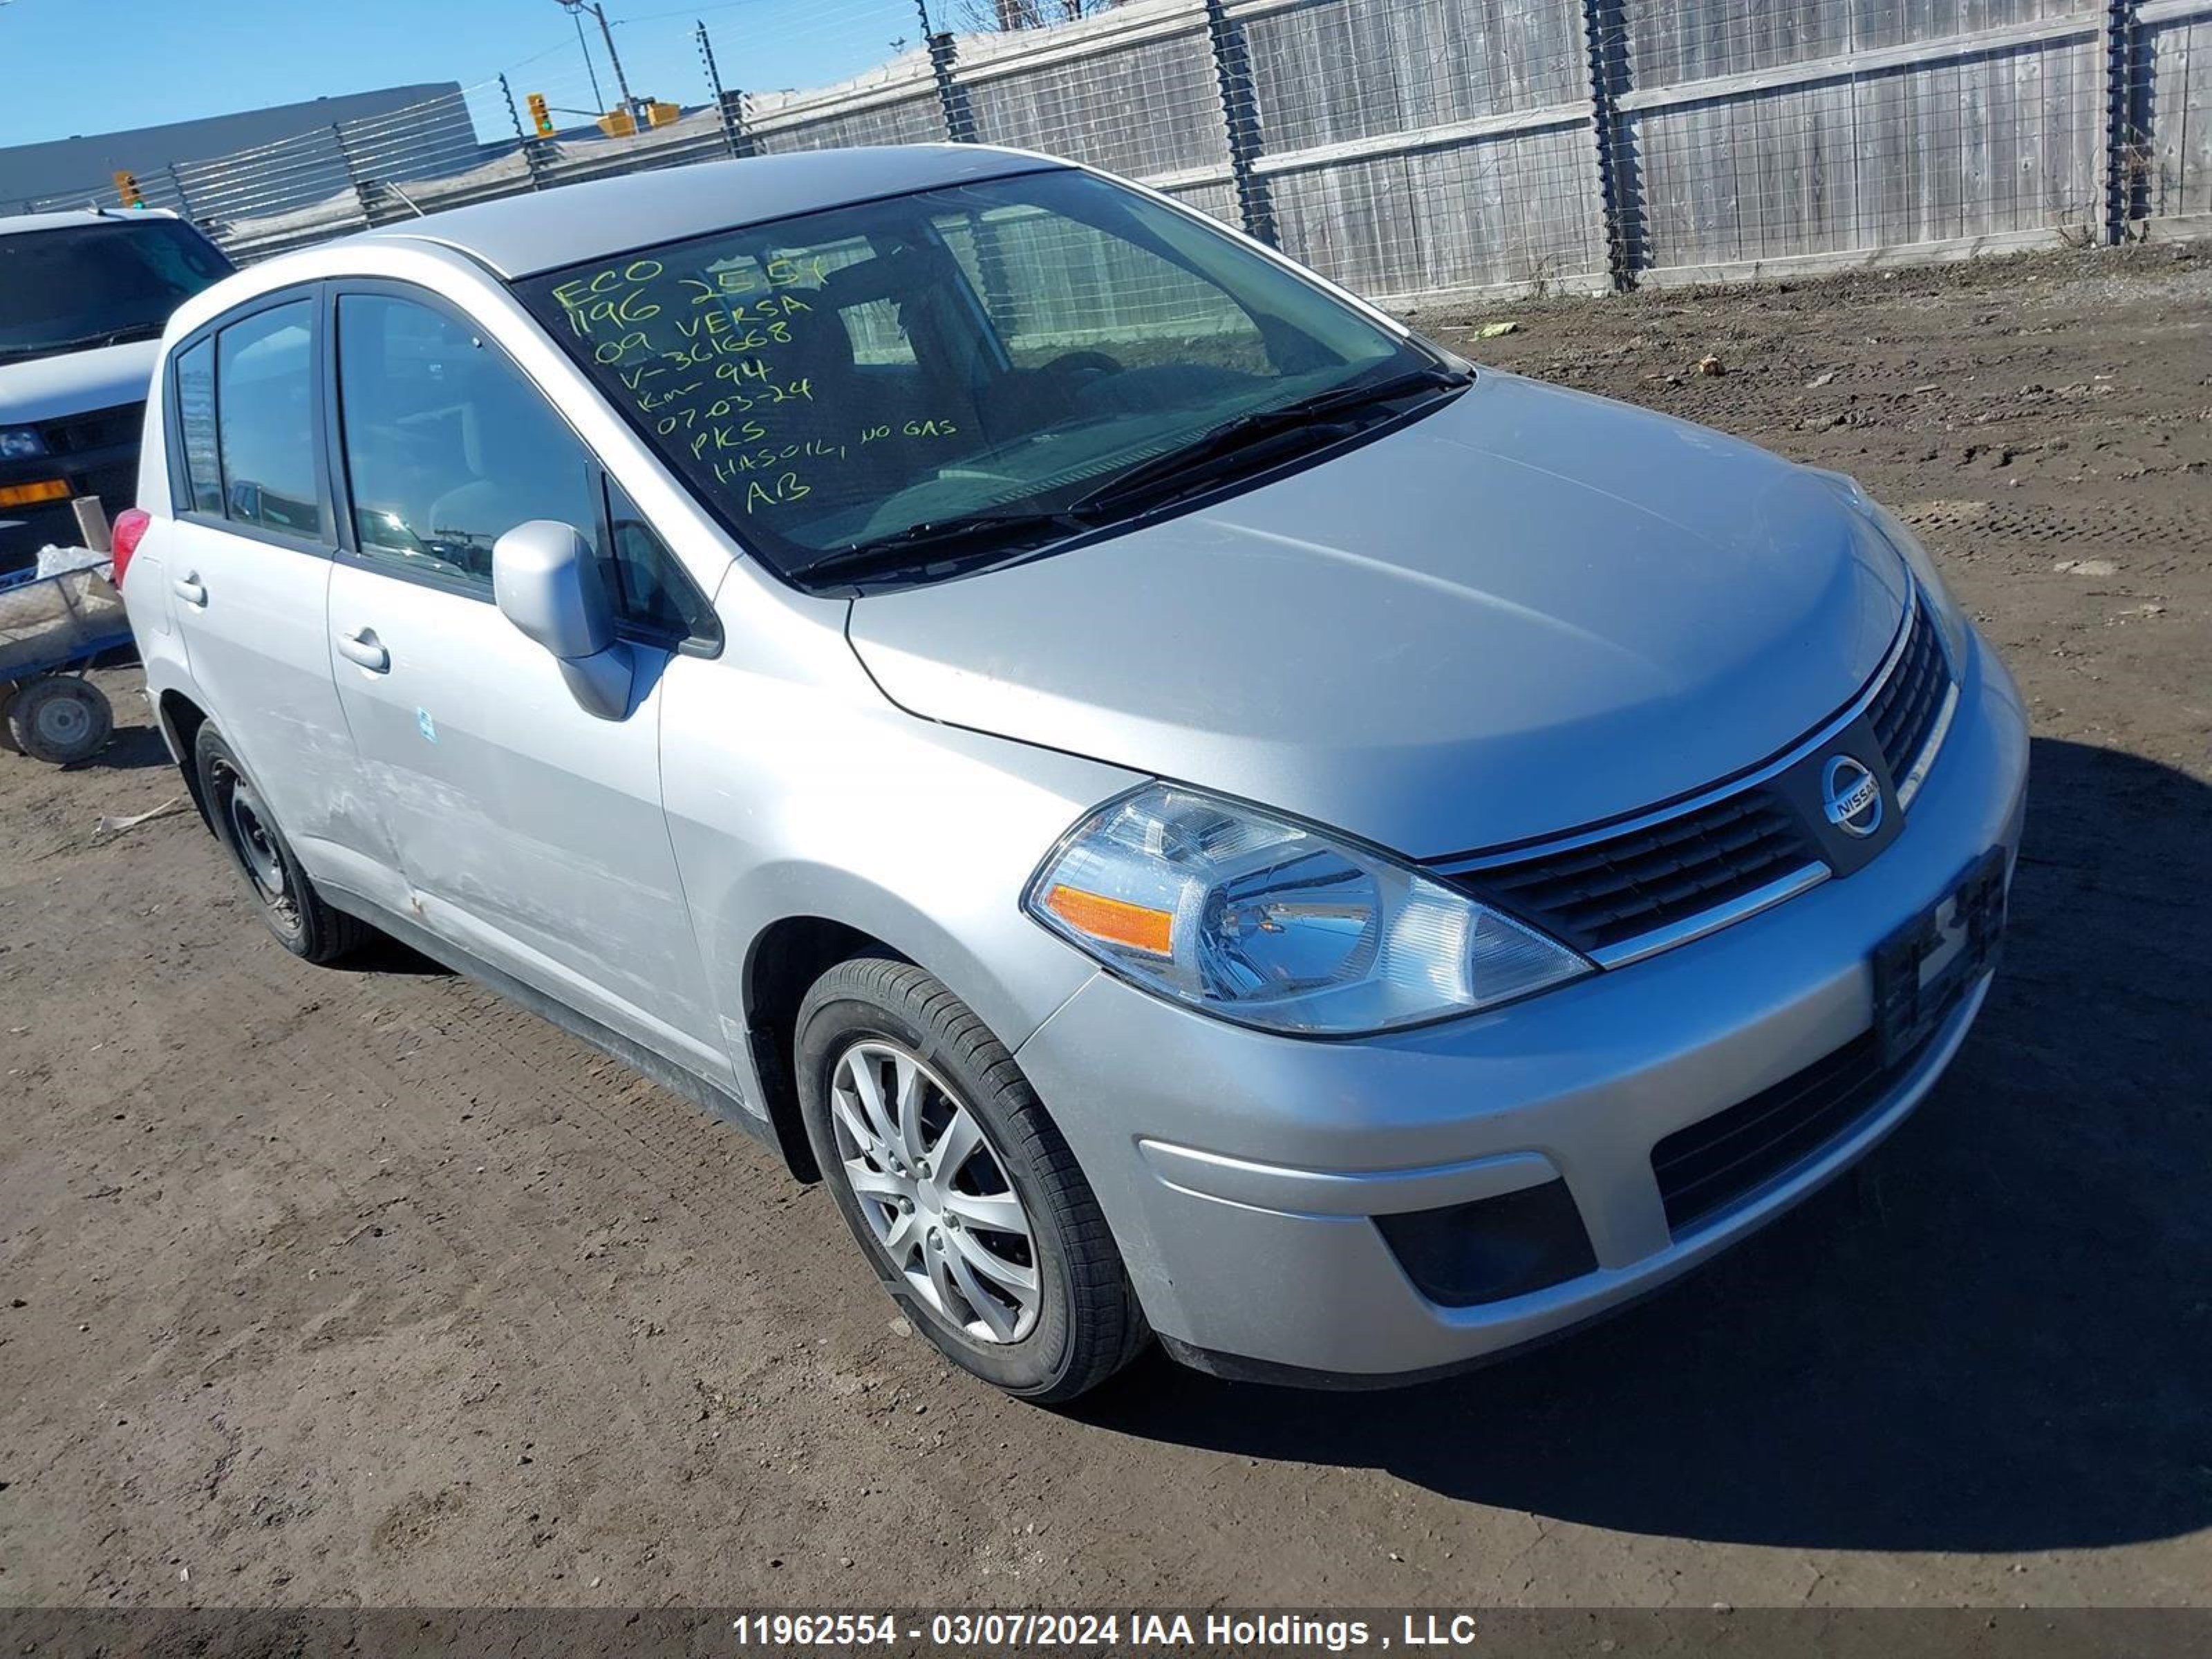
(1414, 150)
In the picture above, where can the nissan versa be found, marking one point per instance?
(1197, 813)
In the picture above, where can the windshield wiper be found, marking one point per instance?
(1002, 530)
(1203, 459)
(106, 337)
(970, 532)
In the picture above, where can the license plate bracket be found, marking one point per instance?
(1921, 970)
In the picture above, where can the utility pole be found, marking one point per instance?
(598, 98)
(606, 33)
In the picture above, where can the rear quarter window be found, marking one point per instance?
(202, 485)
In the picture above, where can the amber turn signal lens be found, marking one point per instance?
(1116, 921)
(46, 490)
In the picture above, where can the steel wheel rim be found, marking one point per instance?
(935, 1192)
(63, 721)
(257, 845)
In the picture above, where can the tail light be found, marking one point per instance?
(129, 527)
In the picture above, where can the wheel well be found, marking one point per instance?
(183, 718)
(786, 960)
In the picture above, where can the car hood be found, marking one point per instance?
(49, 388)
(1529, 611)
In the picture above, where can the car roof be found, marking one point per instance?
(15, 224)
(523, 235)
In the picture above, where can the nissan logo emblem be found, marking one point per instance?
(1851, 796)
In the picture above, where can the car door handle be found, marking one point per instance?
(190, 590)
(361, 646)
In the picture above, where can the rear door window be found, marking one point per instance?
(264, 420)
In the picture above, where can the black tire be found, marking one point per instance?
(1087, 1325)
(303, 921)
(60, 719)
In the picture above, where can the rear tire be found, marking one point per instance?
(303, 921)
(986, 1233)
(60, 719)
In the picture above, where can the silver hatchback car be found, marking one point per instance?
(1195, 811)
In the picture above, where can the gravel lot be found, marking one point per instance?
(363, 1287)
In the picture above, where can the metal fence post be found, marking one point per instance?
(363, 189)
(2124, 162)
(1240, 116)
(951, 96)
(532, 162)
(729, 103)
(1602, 28)
(177, 184)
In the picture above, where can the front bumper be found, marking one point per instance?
(1241, 1172)
(111, 472)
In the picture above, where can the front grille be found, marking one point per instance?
(1627, 885)
(1612, 891)
(1715, 1163)
(101, 428)
(1904, 712)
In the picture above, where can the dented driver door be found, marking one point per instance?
(530, 830)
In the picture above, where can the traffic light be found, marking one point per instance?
(541, 115)
(127, 186)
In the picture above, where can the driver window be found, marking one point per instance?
(447, 447)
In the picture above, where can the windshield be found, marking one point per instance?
(81, 286)
(965, 370)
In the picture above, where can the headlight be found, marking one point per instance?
(1270, 924)
(1950, 621)
(21, 443)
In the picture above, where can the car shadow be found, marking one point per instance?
(1996, 1336)
(384, 954)
(132, 749)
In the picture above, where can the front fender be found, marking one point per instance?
(787, 797)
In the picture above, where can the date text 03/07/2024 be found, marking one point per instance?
(1258, 1632)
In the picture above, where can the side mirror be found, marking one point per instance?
(547, 584)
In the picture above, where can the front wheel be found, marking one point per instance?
(957, 1186)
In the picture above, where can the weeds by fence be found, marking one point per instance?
(1420, 149)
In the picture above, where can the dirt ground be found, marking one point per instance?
(363, 1287)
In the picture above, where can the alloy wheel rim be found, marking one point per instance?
(935, 1192)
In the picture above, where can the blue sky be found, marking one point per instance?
(84, 66)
